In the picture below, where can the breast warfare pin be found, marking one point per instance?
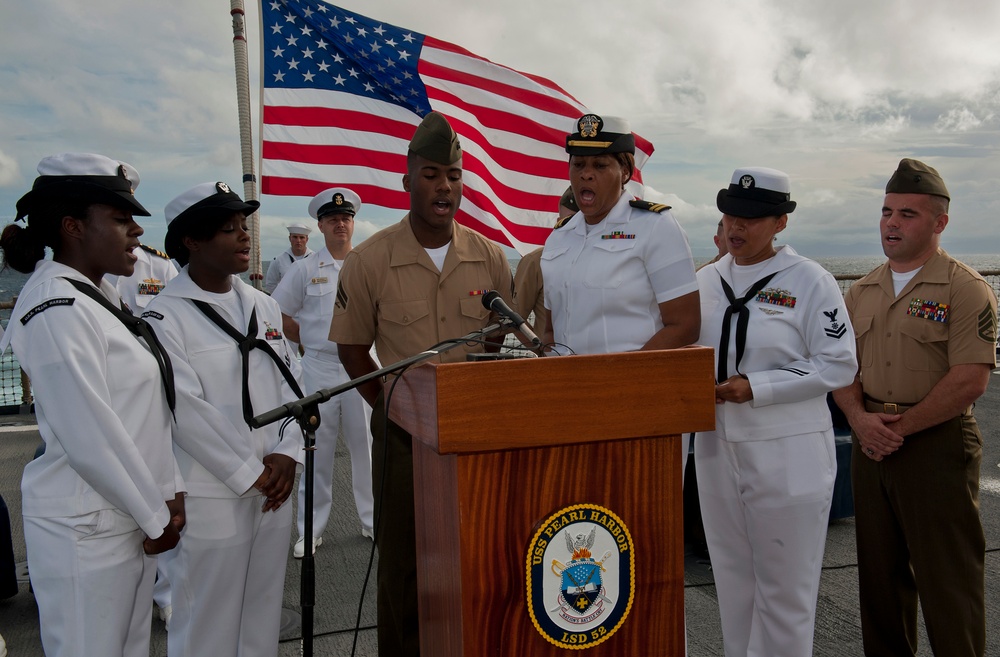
(580, 576)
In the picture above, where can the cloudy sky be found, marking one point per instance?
(834, 93)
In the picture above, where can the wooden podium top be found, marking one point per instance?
(535, 402)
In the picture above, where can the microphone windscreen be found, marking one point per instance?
(489, 298)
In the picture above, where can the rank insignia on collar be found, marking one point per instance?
(835, 330)
(618, 235)
(581, 566)
(776, 297)
(932, 310)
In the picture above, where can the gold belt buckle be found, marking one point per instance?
(891, 409)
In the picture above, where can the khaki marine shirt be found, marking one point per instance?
(391, 294)
(528, 293)
(945, 316)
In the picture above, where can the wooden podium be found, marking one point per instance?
(503, 451)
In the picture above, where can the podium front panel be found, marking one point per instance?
(478, 513)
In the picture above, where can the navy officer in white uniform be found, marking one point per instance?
(306, 296)
(765, 475)
(618, 275)
(298, 239)
(153, 269)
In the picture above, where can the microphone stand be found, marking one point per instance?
(306, 414)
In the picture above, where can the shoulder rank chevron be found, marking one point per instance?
(646, 205)
(156, 252)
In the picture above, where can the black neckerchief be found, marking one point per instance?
(140, 328)
(246, 344)
(738, 306)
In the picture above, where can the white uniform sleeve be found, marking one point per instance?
(290, 292)
(272, 277)
(201, 430)
(668, 260)
(68, 348)
(829, 362)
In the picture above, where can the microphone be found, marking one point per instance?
(494, 302)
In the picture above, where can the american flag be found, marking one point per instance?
(343, 94)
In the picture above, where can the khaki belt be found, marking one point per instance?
(892, 408)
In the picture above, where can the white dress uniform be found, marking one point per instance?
(228, 571)
(152, 271)
(603, 288)
(307, 294)
(280, 266)
(101, 486)
(766, 474)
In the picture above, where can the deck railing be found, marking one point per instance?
(15, 388)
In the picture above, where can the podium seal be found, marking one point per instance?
(580, 576)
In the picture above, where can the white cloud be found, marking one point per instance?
(833, 93)
(10, 173)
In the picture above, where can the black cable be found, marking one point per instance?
(318, 635)
(381, 490)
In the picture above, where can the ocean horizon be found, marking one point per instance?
(12, 281)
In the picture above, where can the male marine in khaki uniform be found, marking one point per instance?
(407, 288)
(926, 332)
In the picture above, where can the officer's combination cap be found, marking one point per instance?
(336, 200)
(595, 135)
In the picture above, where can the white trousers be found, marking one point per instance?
(161, 587)
(93, 584)
(227, 578)
(347, 411)
(765, 506)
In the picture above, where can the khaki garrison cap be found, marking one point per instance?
(567, 200)
(915, 177)
(436, 141)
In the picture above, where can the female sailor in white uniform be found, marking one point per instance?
(105, 494)
(766, 474)
(230, 364)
